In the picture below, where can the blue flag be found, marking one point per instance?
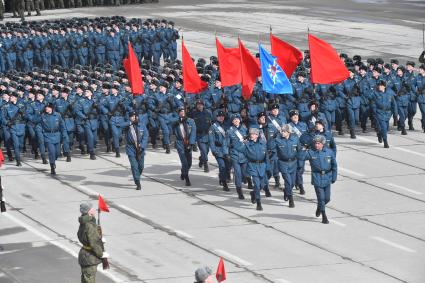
(274, 78)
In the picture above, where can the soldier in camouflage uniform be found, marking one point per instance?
(92, 251)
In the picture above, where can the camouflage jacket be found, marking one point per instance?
(89, 236)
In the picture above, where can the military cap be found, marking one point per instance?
(205, 78)
(411, 63)
(422, 66)
(286, 128)
(387, 66)
(235, 116)
(14, 93)
(301, 74)
(202, 273)
(320, 139)
(254, 130)
(401, 68)
(85, 207)
(313, 102)
(363, 67)
(181, 108)
(199, 101)
(394, 61)
(382, 82)
(164, 84)
(180, 80)
(49, 105)
(293, 112)
(351, 69)
(379, 61)
(65, 90)
(319, 121)
(371, 61)
(343, 55)
(357, 58)
(274, 106)
(171, 23)
(220, 113)
(155, 82)
(377, 69)
(132, 113)
(115, 86)
(261, 114)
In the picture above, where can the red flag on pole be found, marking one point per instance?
(132, 68)
(326, 66)
(192, 83)
(102, 204)
(250, 71)
(221, 272)
(229, 60)
(288, 57)
(1, 158)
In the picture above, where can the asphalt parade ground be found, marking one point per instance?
(165, 231)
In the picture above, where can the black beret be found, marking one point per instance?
(293, 112)
(394, 61)
(275, 106)
(261, 114)
(411, 63)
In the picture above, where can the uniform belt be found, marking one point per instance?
(52, 132)
(92, 117)
(323, 172)
(256, 161)
(87, 248)
(118, 114)
(289, 159)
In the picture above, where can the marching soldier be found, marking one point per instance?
(202, 118)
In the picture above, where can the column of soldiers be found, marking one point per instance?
(85, 42)
(19, 7)
(51, 113)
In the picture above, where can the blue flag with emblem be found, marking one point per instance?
(274, 78)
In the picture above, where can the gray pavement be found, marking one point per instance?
(163, 233)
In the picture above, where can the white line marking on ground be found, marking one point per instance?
(351, 172)
(184, 234)
(409, 151)
(337, 223)
(366, 139)
(404, 189)
(392, 244)
(232, 257)
(281, 280)
(56, 243)
(88, 191)
(132, 211)
(277, 199)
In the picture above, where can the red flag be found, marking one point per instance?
(132, 68)
(1, 158)
(288, 57)
(102, 204)
(250, 71)
(221, 272)
(229, 60)
(326, 66)
(192, 83)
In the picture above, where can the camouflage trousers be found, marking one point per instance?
(88, 274)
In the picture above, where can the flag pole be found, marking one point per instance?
(271, 29)
(423, 36)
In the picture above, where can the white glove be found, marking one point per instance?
(103, 240)
(105, 255)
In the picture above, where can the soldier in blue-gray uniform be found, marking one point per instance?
(350, 92)
(236, 135)
(288, 148)
(54, 131)
(203, 119)
(383, 102)
(34, 116)
(219, 147)
(14, 126)
(65, 106)
(172, 36)
(114, 49)
(300, 129)
(184, 129)
(420, 81)
(323, 173)
(275, 121)
(365, 97)
(410, 78)
(137, 142)
(402, 97)
(255, 150)
(100, 42)
(87, 115)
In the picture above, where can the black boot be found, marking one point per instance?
(302, 191)
(352, 134)
(92, 156)
(108, 148)
(403, 131)
(285, 196)
(206, 169)
(259, 207)
(117, 152)
(379, 138)
(52, 169)
(138, 186)
(252, 196)
(36, 155)
(187, 181)
(291, 202)
(10, 157)
(194, 148)
(324, 218)
(83, 150)
(240, 194)
(181, 177)
(267, 192)
(276, 182)
(225, 187)
(341, 132)
(411, 125)
(201, 162)
(318, 212)
(386, 144)
(18, 163)
(248, 179)
(44, 159)
(68, 157)
(167, 149)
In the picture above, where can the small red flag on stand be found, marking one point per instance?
(221, 272)
(102, 205)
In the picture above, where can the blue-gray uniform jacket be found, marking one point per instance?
(218, 140)
(323, 167)
(256, 153)
(330, 141)
(235, 137)
(420, 82)
(383, 104)
(100, 42)
(65, 108)
(13, 117)
(53, 128)
(365, 90)
(187, 126)
(142, 134)
(203, 123)
(288, 151)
